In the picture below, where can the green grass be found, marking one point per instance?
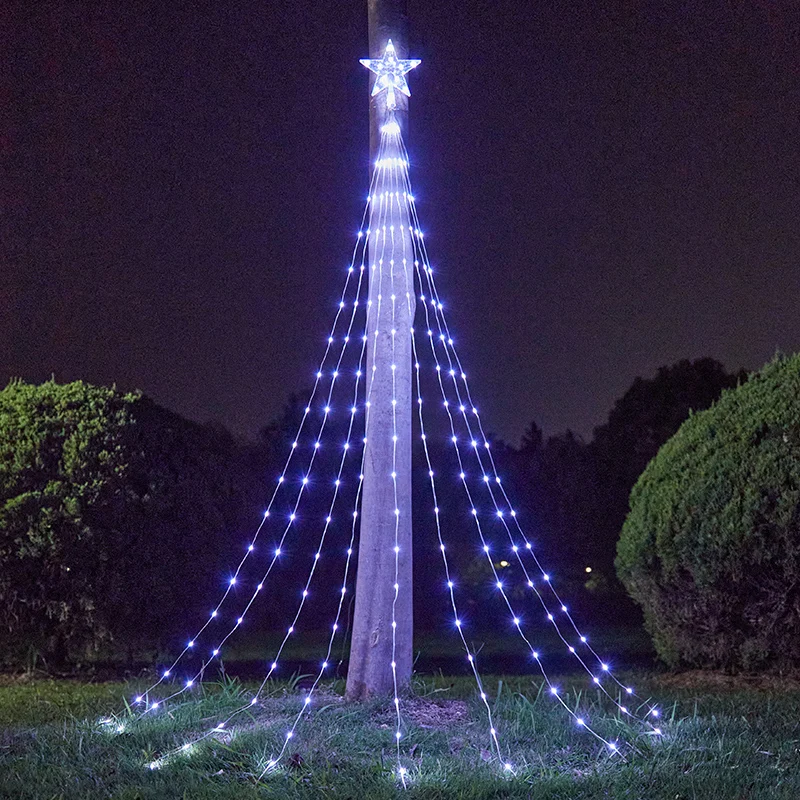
(721, 740)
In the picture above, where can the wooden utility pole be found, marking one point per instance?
(386, 501)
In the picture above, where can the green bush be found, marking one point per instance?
(116, 517)
(711, 546)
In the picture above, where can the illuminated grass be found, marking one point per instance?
(62, 739)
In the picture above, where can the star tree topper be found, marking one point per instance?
(391, 74)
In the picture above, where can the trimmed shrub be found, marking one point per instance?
(711, 546)
(115, 516)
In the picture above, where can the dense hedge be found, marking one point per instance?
(711, 546)
(115, 518)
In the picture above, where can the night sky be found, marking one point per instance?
(604, 187)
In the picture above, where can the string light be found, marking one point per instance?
(335, 625)
(390, 185)
(442, 548)
(456, 368)
(343, 590)
(362, 243)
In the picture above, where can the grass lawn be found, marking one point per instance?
(722, 739)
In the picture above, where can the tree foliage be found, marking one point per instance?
(711, 547)
(115, 515)
(575, 493)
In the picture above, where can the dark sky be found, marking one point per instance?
(605, 188)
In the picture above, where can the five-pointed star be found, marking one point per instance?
(391, 74)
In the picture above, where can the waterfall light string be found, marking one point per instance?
(156, 704)
(652, 710)
(516, 549)
(502, 517)
(448, 344)
(273, 762)
(222, 726)
(216, 652)
(341, 467)
(389, 134)
(361, 243)
(408, 198)
(471, 658)
(334, 628)
(515, 618)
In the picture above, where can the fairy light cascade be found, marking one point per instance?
(390, 197)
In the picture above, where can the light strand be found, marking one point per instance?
(516, 620)
(447, 342)
(335, 627)
(361, 242)
(471, 658)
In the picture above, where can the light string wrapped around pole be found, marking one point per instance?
(393, 195)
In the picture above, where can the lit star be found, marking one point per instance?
(391, 74)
